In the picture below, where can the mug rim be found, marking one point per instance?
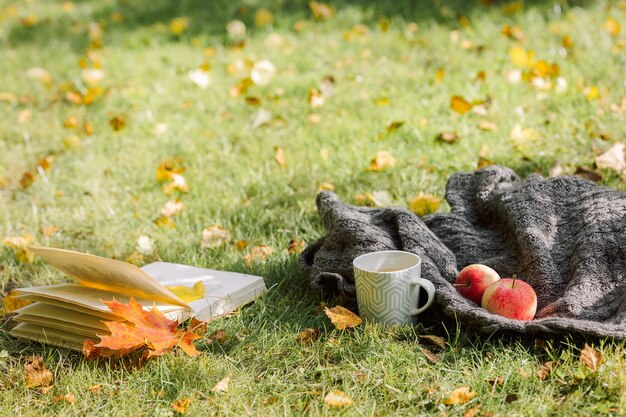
(415, 256)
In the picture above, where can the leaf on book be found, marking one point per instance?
(188, 294)
(36, 373)
(12, 302)
(143, 329)
(342, 318)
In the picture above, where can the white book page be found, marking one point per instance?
(225, 291)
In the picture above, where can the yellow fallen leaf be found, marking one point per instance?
(393, 126)
(342, 318)
(258, 254)
(459, 395)
(382, 160)
(263, 17)
(424, 204)
(221, 386)
(309, 335)
(188, 294)
(315, 98)
(169, 166)
(19, 244)
(488, 126)
(177, 183)
(214, 236)
(321, 11)
(12, 302)
(521, 58)
(460, 105)
(179, 25)
(280, 157)
(68, 398)
(611, 26)
(181, 406)
(95, 389)
(473, 412)
(591, 358)
(326, 186)
(337, 398)
(48, 230)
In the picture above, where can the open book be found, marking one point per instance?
(67, 314)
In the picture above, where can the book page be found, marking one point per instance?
(52, 336)
(224, 291)
(103, 315)
(48, 323)
(91, 298)
(107, 274)
(46, 314)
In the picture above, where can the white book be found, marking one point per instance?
(66, 314)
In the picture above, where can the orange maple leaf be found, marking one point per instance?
(142, 329)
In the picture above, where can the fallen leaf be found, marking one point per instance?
(381, 161)
(588, 173)
(337, 398)
(393, 126)
(27, 180)
(473, 412)
(522, 58)
(321, 11)
(327, 86)
(263, 17)
(309, 335)
(459, 395)
(326, 186)
(435, 340)
(433, 357)
(36, 373)
(613, 158)
(382, 101)
(448, 137)
(611, 26)
(117, 123)
(260, 118)
(181, 406)
(164, 221)
(144, 329)
(591, 358)
(280, 157)
(92, 75)
(499, 380)
(168, 167)
(511, 398)
(523, 373)
(488, 126)
(262, 72)
(19, 244)
(236, 30)
(188, 294)
(219, 336)
(172, 208)
(241, 244)
(200, 77)
(342, 318)
(295, 246)
(424, 204)
(258, 254)
(214, 236)
(39, 74)
(460, 105)
(177, 183)
(68, 398)
(545, 369)
(221, 386)
(253, 101)
(95, 389)
(315, 98)
(179, 25)
(12, 302)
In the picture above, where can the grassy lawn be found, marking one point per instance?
(546, 84)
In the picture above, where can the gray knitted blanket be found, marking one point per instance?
(565, 236)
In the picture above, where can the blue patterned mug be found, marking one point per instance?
(388, 286)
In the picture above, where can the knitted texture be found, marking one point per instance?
(565, 236)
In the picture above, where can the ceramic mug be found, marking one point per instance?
(388, 286)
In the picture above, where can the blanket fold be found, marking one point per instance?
(565, 236)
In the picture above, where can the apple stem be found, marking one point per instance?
(513, 283)
(460, 285)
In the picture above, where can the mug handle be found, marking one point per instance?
(415, 291)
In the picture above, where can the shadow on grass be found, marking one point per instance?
(210, 17)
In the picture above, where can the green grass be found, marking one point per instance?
(103, 194)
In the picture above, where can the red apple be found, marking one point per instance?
(512, 298)
(474, 279)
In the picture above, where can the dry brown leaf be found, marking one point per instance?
(342, 318)
(36, 373)
(459, 395)
(460, 105)
(309, 335)
(218, 336)
(424, 204)
(435, 340)
(12, 302)
(181, 406)
(613, 158)
(523, 373)
(337, 398)
(591, 358)
(19, 244)
(221, 386)
(68, 398)
(117, 123)
(393, 126)
(214, 236)
(448, 137)
(545, 369)
(295, 246)
(258, 254)
(381, 161)
(433, 357)
(241, 244)
(280, 157)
